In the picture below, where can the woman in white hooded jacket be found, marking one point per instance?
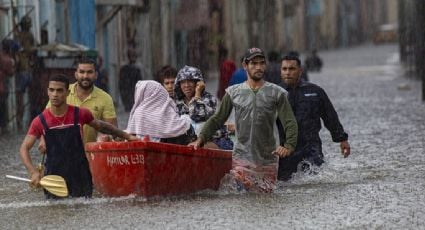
(155, 114)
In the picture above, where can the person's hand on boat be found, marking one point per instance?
(118, 139)
(345, 148)
(129, 137)
(282, 151)
(104, 138)
(196, 144)
(133, 138)
(231, 128)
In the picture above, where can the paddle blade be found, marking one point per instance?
(55, 185)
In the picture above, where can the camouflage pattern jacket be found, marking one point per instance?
(198, 110)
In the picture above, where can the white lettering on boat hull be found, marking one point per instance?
(137, 159)
(112, 161)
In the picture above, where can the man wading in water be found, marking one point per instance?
(61, 126)
(257, 104)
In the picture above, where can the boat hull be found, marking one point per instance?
(150, 169)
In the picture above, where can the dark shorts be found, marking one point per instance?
(22, 81)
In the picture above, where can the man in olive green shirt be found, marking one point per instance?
(257, 105)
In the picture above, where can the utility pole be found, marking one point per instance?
(420, 42)
(402, 30)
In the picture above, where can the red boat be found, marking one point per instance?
(148, 169)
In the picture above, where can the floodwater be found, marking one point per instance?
(380, 186)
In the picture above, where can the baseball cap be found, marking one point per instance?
(252, 53)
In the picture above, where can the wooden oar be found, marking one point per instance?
(52, 183)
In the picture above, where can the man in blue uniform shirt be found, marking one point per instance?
(309, 103)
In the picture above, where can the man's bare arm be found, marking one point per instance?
(112, 121)
(108, 128)
(26, 146)
(106, 137)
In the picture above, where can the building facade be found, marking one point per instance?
(192, 32)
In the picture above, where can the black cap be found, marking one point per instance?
(252, 53)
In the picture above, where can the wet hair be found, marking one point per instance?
(60, 78)
(86, 60)
(293, 53)
(166, 72)
(292, 58)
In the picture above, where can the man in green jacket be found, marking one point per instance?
(257, 105)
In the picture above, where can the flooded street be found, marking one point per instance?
(380, 186)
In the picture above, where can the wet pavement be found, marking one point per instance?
(380, 186)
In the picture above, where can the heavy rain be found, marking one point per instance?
(372, 71)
